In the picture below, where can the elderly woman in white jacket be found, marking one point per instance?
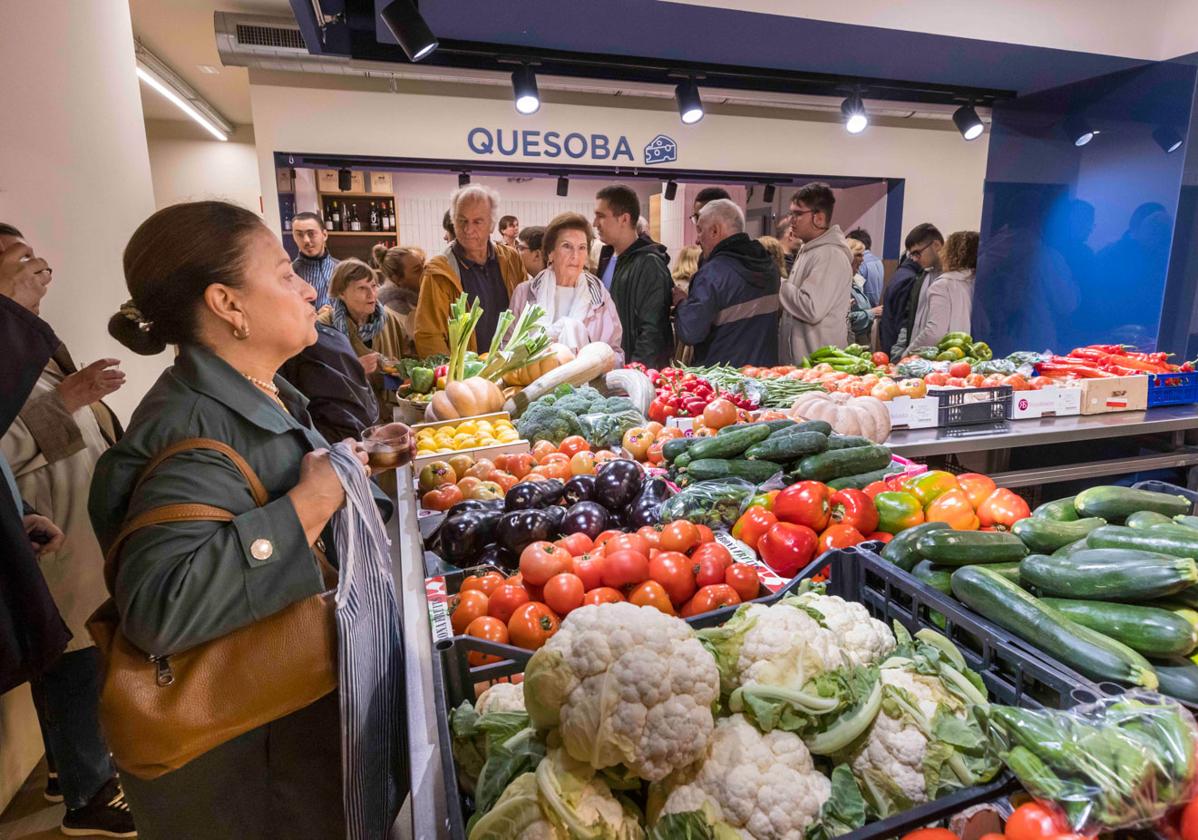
(945, 304)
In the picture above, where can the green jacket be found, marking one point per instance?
(642, 289)
(182, 584)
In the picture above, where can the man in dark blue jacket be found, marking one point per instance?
(923, 245)
(730, 314)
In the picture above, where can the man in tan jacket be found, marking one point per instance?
(472, 263)
(816, 296)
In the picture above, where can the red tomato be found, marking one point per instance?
(589, 568)
(744, 580)
(491, 629)
(531, 626)
(936, 378)
(442, 498)
(631, 542)
(518, 464)
(993, 836)
(542, 560)
(607, 535)
(535, 593)
(930, 834)
(541, 449)
(880, 536)
(806, 503)
(563, 593)
(960, 370)
(1034, 821)
(505, 600)
(787, 548)
(573, 445)
(485, 584)
(1189, 821)
(654, 455)
(679, 536)
(705, 534)
(652, 594)
(582, 463)
(839, 536)
(714, 550)
(602, 595)
(856, 509)
(577, 544)
(719, 413)
(710, 598)
(652, 535)
(624, 568)
(465, 607)
(673, 571)
(752, 525)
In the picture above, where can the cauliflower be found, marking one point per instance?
(764, 786)
(625, 684)
(480, 730)
(861, 638)
(501, 697)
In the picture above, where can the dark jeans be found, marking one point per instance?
(67, 698)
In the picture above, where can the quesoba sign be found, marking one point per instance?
(573, 145)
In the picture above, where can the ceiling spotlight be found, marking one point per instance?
(563, 186)
(1078, 130)
(463, 179)
(671, 190)
(345, 179)
(853, 111)
(524, 87)
(1167, 138)
(768, 194)
(968, 123)
(408, 26)
(690, 106)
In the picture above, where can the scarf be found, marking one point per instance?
(366, 331)
(567, 327)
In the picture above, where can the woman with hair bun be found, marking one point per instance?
(401, 270)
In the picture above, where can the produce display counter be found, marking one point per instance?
(1169, 431)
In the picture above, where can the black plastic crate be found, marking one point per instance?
(1166, 487)
(970, 406)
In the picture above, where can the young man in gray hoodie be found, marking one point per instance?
(816, 296)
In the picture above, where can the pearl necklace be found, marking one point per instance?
(270, 388)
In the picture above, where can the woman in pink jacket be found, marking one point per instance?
(578, 309)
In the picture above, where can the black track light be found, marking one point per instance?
(853, 111)
(463, 179)
(345, 179)
(1078, 130)
(524, 88)
(768, 194)
(563, 186)
(690, 105)
(408, 26)
(1167, 138)
(671, 190)
(968, 123)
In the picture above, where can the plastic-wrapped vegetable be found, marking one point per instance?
(1119, 762)
(606, 431)
(716, 504)
(1002, 366)
(915, 369)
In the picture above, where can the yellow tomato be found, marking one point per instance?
(507, 436)
(468, 427)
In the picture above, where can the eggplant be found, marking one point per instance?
(551, 491)
(581, 488)
(495, 505)
(590, 518)
(617, 483)
(463, 537)
(517, 529)
(493, 555)
(526, 496)
(656, 488)
(556, 514)
(645, 510)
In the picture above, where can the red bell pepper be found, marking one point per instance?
(977, 487)
(787, 548)
(839, 536)
(855, 509)
(805, 503)
(752, 525)
(1002, 509)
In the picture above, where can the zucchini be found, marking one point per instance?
(1062, 510)
(674, 447)
(848, 441)
(1151, 631)
(967, 548)
(1187, 598)
(1163, 539)
(1047, 535)
(901, 550)
(862, 480)
(682, 461)
(1147, 519)
(937, 577)
(1008, 570)
(1088, 651)
(1066, 550)
(728, 446)
(1108, 574)
(772, 425)
(1178, 678)
(1186, 521)
(706, 469)
(842, 462)
(820, 426)
(1115, 504)
(788, 447)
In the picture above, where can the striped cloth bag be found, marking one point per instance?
(370, 658)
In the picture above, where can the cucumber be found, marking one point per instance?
(1047, 535)
(1066, 550)
(788, 447)
(1008, 570)
(1147, 519)
(937, 577)
(1151, 631)
(1088, 651)
(1163, 539)
(967, 548)
(1108, 574)
(806, 426)
(682, 461)
(862, 480)
(1178, 678)
(1062, 510)
(674, 447)
(842, 462)
(706, 469)
(1115, 504)
(848, 441)
(1186, 521)
(901, 550)
(772, 425)
(729, 445)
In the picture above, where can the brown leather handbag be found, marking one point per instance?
(158, 713)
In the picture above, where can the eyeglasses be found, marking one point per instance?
(915, 252)
(798, 214)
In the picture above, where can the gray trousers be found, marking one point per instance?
(280, 780)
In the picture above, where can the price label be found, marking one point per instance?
(436, 594)
(741, 553)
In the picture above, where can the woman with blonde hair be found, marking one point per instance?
(776, 251)
(686, 266)
(861, 315)
(946, 304)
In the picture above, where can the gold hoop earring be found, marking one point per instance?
(241, 333)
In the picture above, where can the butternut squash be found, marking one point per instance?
(527, 375)
(595, 359)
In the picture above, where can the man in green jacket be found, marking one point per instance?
(637, 274)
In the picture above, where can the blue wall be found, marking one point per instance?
(1076, 240)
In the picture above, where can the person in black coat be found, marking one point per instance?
(340, 399)
(901, 296)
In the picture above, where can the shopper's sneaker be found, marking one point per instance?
(106, 815)
(53, 791)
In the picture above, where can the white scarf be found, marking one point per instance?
(567, 327)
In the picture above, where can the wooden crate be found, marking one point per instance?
(515, 446)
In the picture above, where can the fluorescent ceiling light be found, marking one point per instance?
(156, 74)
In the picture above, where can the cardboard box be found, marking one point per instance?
(380, 182)
(1115, 393)
(910, 413)
(1049, 402)
(326, 181)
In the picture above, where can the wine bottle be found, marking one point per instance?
(374, 216)
(333, 219)
(355, 222)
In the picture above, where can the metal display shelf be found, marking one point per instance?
(1162, 430)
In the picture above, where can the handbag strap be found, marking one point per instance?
(256, 488)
